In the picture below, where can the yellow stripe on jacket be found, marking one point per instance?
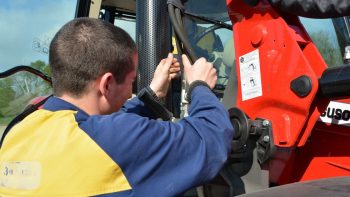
(47, 154)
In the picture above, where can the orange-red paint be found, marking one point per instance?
(306, 149)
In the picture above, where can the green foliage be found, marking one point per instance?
(40, 65)
(6, 94)
(328, 49)
(16, 91)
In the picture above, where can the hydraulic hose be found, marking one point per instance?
(178, 16)
(181, 34)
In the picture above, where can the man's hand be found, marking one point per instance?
(165, 72)
(200, 70)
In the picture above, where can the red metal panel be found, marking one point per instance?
(325, 155)
(286, 53)
(304, 150)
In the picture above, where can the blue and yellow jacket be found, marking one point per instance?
(62, 151)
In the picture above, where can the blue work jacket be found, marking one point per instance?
(62, 151)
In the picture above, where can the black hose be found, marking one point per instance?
(178, 16)
(181, 34)
(178, 45)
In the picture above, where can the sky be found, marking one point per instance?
(27, 27)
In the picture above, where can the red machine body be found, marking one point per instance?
(305, 149)
(273, 50)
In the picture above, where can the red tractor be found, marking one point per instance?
(283, 78)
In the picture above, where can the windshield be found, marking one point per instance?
(208, 8)
(27, 28)
(330, 36)
(214, 42)
(128, 22)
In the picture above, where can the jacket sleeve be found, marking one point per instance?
(136, 106)
(313, 8)
(161, 158)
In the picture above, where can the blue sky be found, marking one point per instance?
(27, 27)
(24, 25)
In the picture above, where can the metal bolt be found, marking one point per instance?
(266, 138)
(265, 123)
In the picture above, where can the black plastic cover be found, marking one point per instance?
(301, 86)
(335, 82)
(313, 8)
(150, 99)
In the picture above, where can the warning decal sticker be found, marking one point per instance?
(249, 65)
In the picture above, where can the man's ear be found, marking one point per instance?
(105, 83)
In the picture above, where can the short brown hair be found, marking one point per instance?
(84, 49)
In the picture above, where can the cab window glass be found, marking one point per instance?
(128, 25)
(126, 21)
(209, 40)
(216, 45)
(27, 28)
(329, 37)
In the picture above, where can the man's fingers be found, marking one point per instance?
(174, 70)
(161, 63)
(165, 64)
(168, 61)
(186, 63)
(175, 66)
(173, 75)
(174, 60)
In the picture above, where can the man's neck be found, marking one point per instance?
(88, 103)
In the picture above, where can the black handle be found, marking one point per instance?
(335, 82)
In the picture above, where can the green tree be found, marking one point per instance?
(40, 65)
(7, 94)
(16, 91)
(26, 83)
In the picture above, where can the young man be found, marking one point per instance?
(84, 143)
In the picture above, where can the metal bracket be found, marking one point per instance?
(264, 145)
